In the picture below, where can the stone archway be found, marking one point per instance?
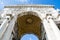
(28, 23)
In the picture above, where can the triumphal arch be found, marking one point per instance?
(43, 21)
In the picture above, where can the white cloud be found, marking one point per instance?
(23, 1)
(1, 2)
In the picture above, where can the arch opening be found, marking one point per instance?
(29, 37)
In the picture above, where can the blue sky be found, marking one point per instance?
(29, 37)
(14, 2)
